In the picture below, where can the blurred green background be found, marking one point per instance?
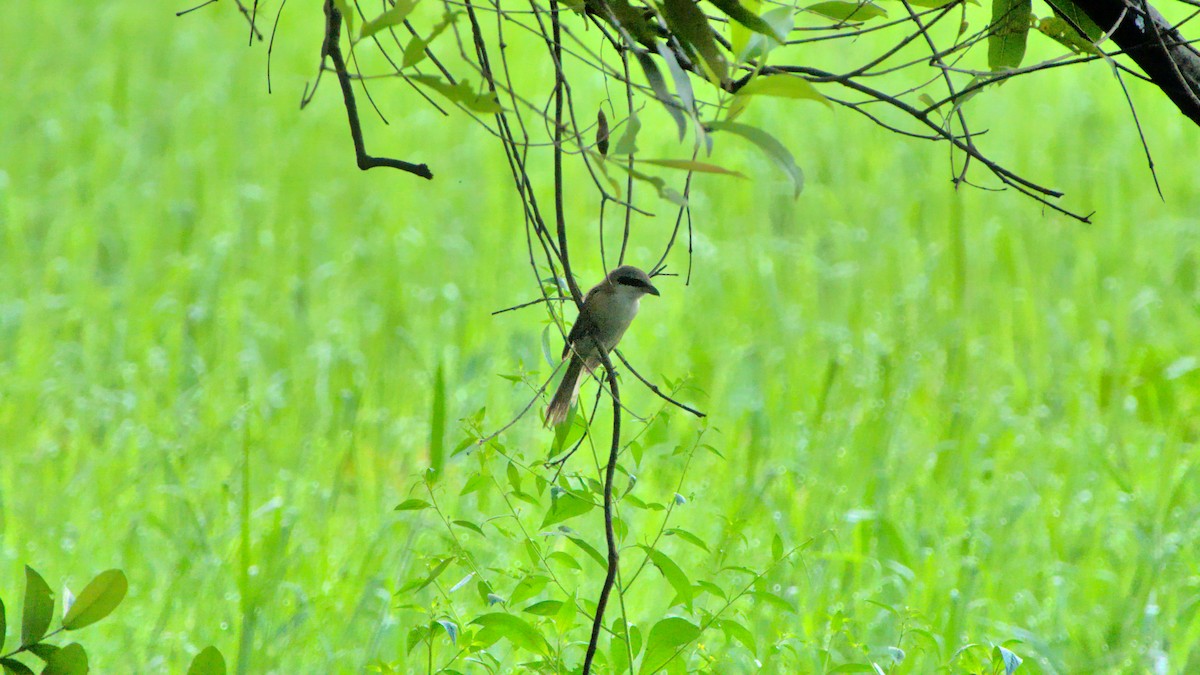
(985, 413)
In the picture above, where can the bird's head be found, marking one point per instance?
(631, 280)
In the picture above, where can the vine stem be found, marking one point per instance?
(610, 537)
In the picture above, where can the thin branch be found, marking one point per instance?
(654, 388)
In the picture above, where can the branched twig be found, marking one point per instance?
(332, 48)
(654, 388)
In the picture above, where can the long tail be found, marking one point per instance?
(565, 395)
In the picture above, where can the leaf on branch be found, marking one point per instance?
(1077, 18)
(1057, 29)
(666, 638)
(565, 506)
(208, 662)
(659, 185)
(39, 606)
(690, 25)
(348, 15)
(1009, 30)
(393, 16)
(778, 86)
(672, 573)
(770, 146)
(70, 660)
(499, 625)
(758, 45)
(414, 52)
(462, 93)
(659, 86)
(693, 165)
(734, 10)
(838, 10)
(97, 600)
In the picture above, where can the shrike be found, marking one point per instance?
(607, 311)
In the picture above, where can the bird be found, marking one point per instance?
(608, 308)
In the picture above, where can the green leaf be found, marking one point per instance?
(839, 10)
(757, 46)
(1009, 31)
(461, 93)
(499, 625)
(70, 660)
(564, 559)
(1058, 29)
(776, 547)
(627, 143)
(469, 525)
(544, 608)
(414, 53)
(590, 550)
(393, 16)
(97, 600)
(413, 505)
(39, 607)
(565, 505)
(43, 650)
(1011, 661)
(778, 86)
(736, 631)
(734, 10)
(451, 629)
(690, 25)
(514, 477)
(659, 86)
(14, 667)
(566, 615)
(527, 587)
(673, 574)
(208, 662)
(415, 586)
(683, 85)
(692, 165)
(666, 638)
(3, 625)
(770, 146)
(1079, 18)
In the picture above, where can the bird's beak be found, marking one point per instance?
(652, 290)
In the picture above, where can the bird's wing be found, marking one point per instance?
(584, 324)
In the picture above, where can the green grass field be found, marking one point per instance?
(219, 341)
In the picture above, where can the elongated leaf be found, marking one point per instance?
(1057, 29)
(415, 586)
(451, 629)
(693, 165)
(565, 506)
(590, 550)
(666, 637)
(3, 626)
(1009, 31)
(627, 144)
(528, 587)
(461, 93)
(783, 86)
(544, 608)
(736, 631)
(758, 45)
(839, 10)
(770, 146)
(498, 625)
(70, 660)
(97, 600)
(14, 667)
(437, 420)
(659, 86)
(690, 25)
(673, 574)
(394, 16)
(734, 10)
(39, 607)
(1010, 660)
(413, 505)
(683, 85)
(1078, 18)
(208, 662)
(414, 53)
